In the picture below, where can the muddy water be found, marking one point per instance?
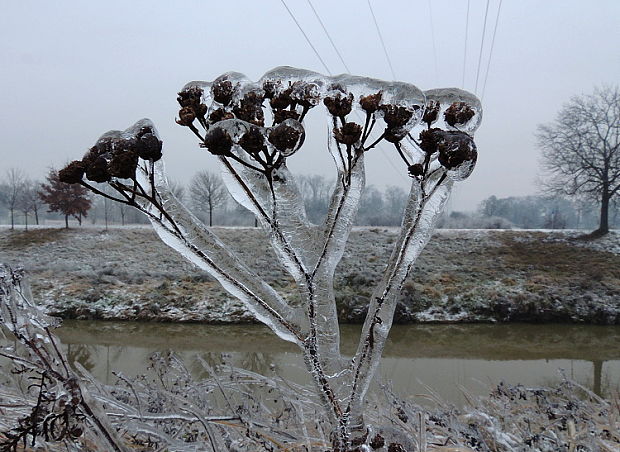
(448, 359)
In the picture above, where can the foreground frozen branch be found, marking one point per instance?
(47, 405)
(431, 132)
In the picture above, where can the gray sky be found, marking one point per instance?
(73, 70)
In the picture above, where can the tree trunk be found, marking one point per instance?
(210, 215)
(603, 227)
(26, 220)
(67, 221)
(12, 220)
(36, 216)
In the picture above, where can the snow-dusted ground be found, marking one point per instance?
(463, 275)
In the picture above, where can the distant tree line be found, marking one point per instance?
(544, 212)
(24, 202)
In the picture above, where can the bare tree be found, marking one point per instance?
(431, 131)
(207, 191)
(29, 200)
(315, 191)
(177, 189)
(581, 149)
(11, 191)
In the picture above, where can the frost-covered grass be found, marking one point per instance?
(462, 275)
(47, 405)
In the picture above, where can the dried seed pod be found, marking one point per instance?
(458, 113)
(396, 447)
(190, 97)
(371, 103)
(377, 442)
(339, 105)
(222, 90)
(97, 171)
(456, 148)
(395, 115)
(348, 134)
(218, 141)
(282, 115)
(282, 100)
(431, 113)
(306, 94)
(287, 137)
(253, 141)
(429, 140)
(123, 164)
(186, 116)
(72, 173)
(250, 108)
(148, 147)
(416, 170)
(220, 115)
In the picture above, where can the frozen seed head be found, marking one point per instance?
(429, 140)
(222, 90)
(416, 170)
(250, 109)
(458, 113)
(97, 171)
(396, 115)
(431, 113)
(190, 97)
(456, 148)
(377, 442)
(148, 146)
(396, 447)
(348, 134)
(371, 103)
(253, 141)
(307, 95)
(287, 137)
(282, 100)
(220, 115)
(282, 115)
(270, 87)
(218, 141)
(123, 164)
(186, 116)
(339, 105)
(72, 173)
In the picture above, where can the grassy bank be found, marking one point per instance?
(462, 275)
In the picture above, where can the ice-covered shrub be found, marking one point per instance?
(253, 128)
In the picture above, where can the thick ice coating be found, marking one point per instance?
(453, 109)
(253, 128)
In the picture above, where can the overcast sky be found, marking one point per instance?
(72, 70)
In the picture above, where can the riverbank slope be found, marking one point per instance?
(462, 275)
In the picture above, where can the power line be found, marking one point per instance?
(388, 156)
(486, 77)
(465, 49)
(484, 29)
(387, 56)
(329, 36)
(430, 13)
(306, 36)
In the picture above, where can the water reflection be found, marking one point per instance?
(449, 359)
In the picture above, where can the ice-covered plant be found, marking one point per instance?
(253, 128)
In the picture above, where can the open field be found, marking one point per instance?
(462, 275)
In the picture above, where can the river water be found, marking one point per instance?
(447, 359)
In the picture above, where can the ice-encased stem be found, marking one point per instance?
(336, 229)
(420, 216)
(183, 232)
(278, 206)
